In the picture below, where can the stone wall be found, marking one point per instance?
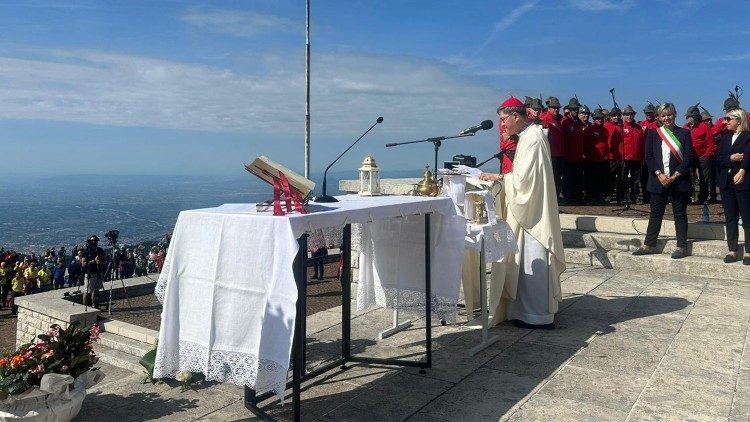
(38, 311)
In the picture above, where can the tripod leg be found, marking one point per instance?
(124, 290)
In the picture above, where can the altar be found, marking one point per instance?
(233, 284)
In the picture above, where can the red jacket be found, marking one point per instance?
(554, 134)
(572, 130)
(645, 124)
(509, 146)
(595, 144)
(634, 141)
(614, 139)
(704, 145)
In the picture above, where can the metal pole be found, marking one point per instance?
(307, 95)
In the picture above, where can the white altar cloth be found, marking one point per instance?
(229, 292)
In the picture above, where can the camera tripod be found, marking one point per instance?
(109, 275)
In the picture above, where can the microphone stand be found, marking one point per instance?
(327, 198)
(499, 156)
(435, 141)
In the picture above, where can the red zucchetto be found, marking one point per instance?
(512, 102)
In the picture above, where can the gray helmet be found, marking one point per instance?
(598, 114)
(629, 110)
(706, 115)
(553, 102)
(615, 112)
(649, 109)
(536, 104)
(731, 103)
(584, 109)
(573, 103)
(693, 111)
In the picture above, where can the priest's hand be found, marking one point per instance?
(490, 177)
(737, 157)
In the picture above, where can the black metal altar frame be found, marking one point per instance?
(299, 344)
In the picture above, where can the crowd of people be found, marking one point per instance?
(85, 267)
(653, 161)
(599, 157)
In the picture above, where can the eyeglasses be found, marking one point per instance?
(502, 119)
(728, 118)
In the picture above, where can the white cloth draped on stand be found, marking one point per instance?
(395, 275)
(229, 292)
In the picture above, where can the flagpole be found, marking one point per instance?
(307, 95)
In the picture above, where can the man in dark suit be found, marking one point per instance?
(733, 161)
(669, 157)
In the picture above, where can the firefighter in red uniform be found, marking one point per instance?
(573, 171)
(614, 132)
(650, 123)
(634, 142)
(583, 116)
(596, 149)
(704, 148)
(551, 121)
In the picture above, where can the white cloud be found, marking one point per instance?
(509, 19)
(731, 58)
(602, 5)
(348, 92)
(238, 22)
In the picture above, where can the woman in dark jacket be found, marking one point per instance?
(669, 157)
(733, 162)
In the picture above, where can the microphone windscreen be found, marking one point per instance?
(380, 119)
(487, 124)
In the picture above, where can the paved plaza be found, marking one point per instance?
(628, 346)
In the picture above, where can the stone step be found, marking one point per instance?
(119, 359)
(131, 331)
(124, 344)
(636, 226)
(626, 242)
(697, 266)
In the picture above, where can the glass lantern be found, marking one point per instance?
(369, 177)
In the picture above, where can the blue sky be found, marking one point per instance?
(173, 87)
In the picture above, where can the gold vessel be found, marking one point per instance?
(479, 214)
(427, 186)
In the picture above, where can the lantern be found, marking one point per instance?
(369, 177)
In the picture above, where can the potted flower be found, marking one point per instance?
(49, 376)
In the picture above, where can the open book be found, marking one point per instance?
(267, 169)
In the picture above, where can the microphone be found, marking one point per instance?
(328, 198)
(487, 124)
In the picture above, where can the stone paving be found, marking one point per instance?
(628, 346)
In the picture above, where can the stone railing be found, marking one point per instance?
(38, 311)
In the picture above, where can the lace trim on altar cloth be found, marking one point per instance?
(223, 366)
(411, 300)
(161, 285)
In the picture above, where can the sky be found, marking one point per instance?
(181, 87)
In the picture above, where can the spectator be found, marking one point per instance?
(140, 263)
(18, 285)
(58, 274)
(160, 256)
(74, 272)
(30, 274)
(3, 274)
(45, 277)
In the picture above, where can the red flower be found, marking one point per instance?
(94, 332)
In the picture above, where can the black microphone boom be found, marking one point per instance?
(487, 124)
(327, 198)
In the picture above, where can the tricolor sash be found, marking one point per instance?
(672, 142)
